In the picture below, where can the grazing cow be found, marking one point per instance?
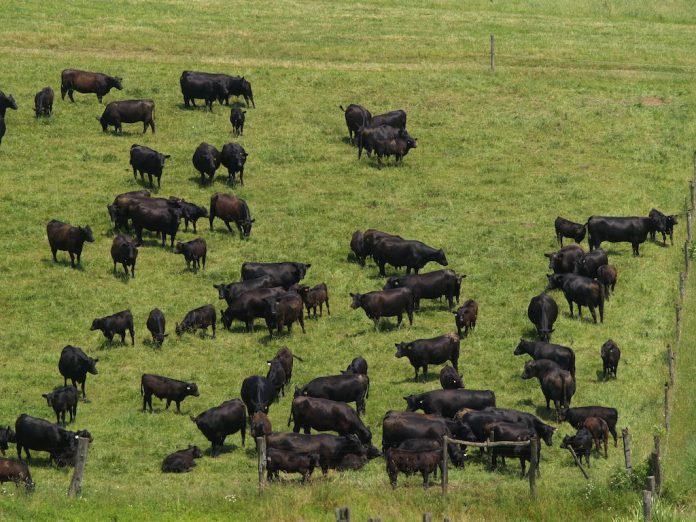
(610, 358)
(589, 264)
(450, 379)
(194, 251)
(409, 462)
(162, 220)
(283, 311)
(181, 461)
(155, 324)
(194, 86)
(397, 147)
(220, 421)
(396, 119)
(232, 291)
(356, 366)
(367, 137)
(356, 116)
(233, 158)
(231, 208)
(581, 443)
(145, 160)
(607, 275)
(233, 86)
(285, 357)
(370, 238)
(119, 209)
(446, 403)
(206, 160)
(576, 417)
(466, 316)
(37, 434)
(580, 290)
(513, 432)
(358, 248)
(87, 82)
(401, 252)
(432, 285)
(117, 323)
(43, 102)
(74, 364)
(249, 306)
(632, 230)
(557, 385)
(240, 86)
(128, 111)
(561, 355)
(62, 400)
(437, 350)
(165, 388)
(600, 432)
(198, 318)
(563, 261)
(260, 425)
(13, 471)
(6, 436)
(565, 228)
(340, 388)
(258, 393)
(189, 211)
(291, 462)
(664, 225)
(62, 236)
(385, 303)
(67, 455)
(315, 297)
(542, 312)
(473, 424)
(124, 251)
(284, 274)
(276, 375)
(327, 415)
(237, 120)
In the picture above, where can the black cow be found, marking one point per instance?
(240, 86)
(447, 403)
(357, 245)
(368, 137)
(563, 261)
(356, 366)
(385, 303)
(399, 426)
(432, 285)
(206, 160)
(117, 323)
(565, 228)
(580, 290)
(233, 157)
(233, 85)
(13, 471)
(370, 238)
(542, 312)
(87, 82)
(513, 432)
(557, 385)
(232, 291)
(162, 220)
(189, 211)
(258, 393)
(341, 388)
(610, 358)
(74, 364)
(664, 225)
(581, 443)
(396, 119)
(62, 400)
(456, 454)
(276, 375)
(474, 424)
(62, 236)
(607, 275)
(409, 462)
(414, 255)
(291, 462)
(124, 251)
(6, 102)
(145, 160)
(356, 116)
(119, 209)
(397, 146)
(561, 355)
(155, 324)
(194, 251)
(194, 86)
(181, 461)
(248, 306)
(237, 120)
(285, 357)
(314, 298)
(331, 449)
(450, 379)
(165, 388)
(231, 208)
(576, 417)
(260, 425)
(220, 421)
(437, 350)
(466, 316)
(589, 264)
(352, 462)
(43, 102)
(37, 434)
(6, 436)
(327, 415)
(632, 230)
(198, 318)
(284, 274)
(128, 111)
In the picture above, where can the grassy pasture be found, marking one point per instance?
(589, 112)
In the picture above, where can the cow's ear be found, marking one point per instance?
(308, 265)
(44, 395)
(352, 294)
(167, 156)
(547, 255)
(96, 359)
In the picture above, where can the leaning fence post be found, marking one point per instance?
(651, 484)
(444, 465)
(261, 452)
(688, 222)
(627, 450)
(80, 462)
(692, 187)
(686, 256)
(667, 410)
(492, 53)
(670, 362)
(682, 286)
(343, 514)
(427, 517)
(533, 465)
(677, 324)
(647, 505)
(657, 465)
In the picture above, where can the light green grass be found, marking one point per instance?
(560, 129)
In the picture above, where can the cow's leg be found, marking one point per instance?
(144, 401)
(376, 321)
(636, 247)
(227, 224)
(152, 126)
(409, 313)
(241, 177)
(426, 476)
(399, 318)
(83, 388)
(213, 327)
(178, 404)
(594, 315)
(415, 379)
(302, 321)
(570, 305)
(72, 259)
(53, 251)
(523, 466)
(328, 311)
(149, 177)
(169, 401)
(70, 95)
(601, 311)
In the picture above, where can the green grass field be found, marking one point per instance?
(590, 111)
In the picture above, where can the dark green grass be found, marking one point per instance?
(561, 129)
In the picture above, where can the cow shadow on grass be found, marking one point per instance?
(63, 263)
(44, 463)
(659, 243)
(144, 183)
(115, 343)
(226, 448)
(431, 377)
(149, 343)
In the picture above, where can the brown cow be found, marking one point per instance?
(315, 297)
(87, 82)
(62, 236)
(260, 425)
(466, 317)
(14, 471)
(231, 208)
(599, 429)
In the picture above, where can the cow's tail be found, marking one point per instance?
(341, 107)
(367, 391)
(572, 364)
(142, 389)
(291, 417)
(602, 296)
(565, 392)
(213, 203)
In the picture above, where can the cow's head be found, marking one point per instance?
(394, 282)
(179, 248)
(97, 324)
(246, 91)
(302, 269)
(522, 348)
(92, 365)
(246, 227)
(271, 304)
(222, 291)
(357, 298)
(104, 121)
(530, 370)
(555, 258)
(116, 81)
(441, 258)
(49, 397)
(402, 350)
(8, 101)
(192, 389)
(567, 441)
(353, 445)
(162, 158)
(453, 380)
(547, 433)
(179, 329)
(87, 234)
(672, 220)
(221, 91)
(562, 414)
(545, 334)
(554, 281)
(159, 337)
(196, 452)
(366, 436)
(413, 402)
(85, 435)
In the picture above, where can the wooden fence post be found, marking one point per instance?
(694, 165)
(533, 465)
(261, 452)
(657, 465)
(689, 222)
(578, 463)
(670, 363)
(647, 506)
(677, 323)
(692, 187)
(682, 286)
(343, 514)
(80, 462)
(667, 408)
(427, 517)
(686, 256)
(491, 438)
(627, 450)
(493, 55)
(444, 465)
(651, 484)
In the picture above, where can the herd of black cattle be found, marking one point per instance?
(411, 441)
